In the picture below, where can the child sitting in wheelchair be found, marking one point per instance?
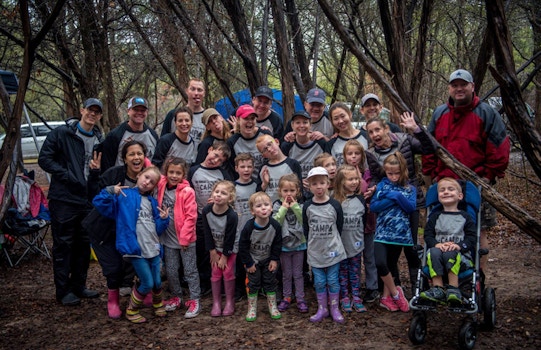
(451, 237)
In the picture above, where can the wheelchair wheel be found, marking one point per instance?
(489, 309)
(417, 331)
(467, 335)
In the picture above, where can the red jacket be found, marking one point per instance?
(185, 210)
(474, 134)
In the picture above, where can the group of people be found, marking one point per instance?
(247, 206)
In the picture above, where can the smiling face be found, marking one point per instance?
(461, 92)
(301, 126)
(247, 126)
(341, 120)
(379, 134)
(371, 109)
(351, 181)
(449, 193)
(134, 160)
(183, 123)
(262, 106)
(175, 174)
(90, 116)
(215, 158)
(315, 109)
(137, 116)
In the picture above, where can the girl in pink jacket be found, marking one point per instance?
(178, 241)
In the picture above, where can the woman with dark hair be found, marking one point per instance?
(102, 231)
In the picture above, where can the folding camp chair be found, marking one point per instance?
(27, 222)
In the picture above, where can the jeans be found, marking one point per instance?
(148, 271)
(327, 276)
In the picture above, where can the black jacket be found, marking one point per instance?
(62, 156)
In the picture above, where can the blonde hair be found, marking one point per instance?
(230, 186)
(319, 160)
(291, 178)
(226, 132)
(257, 196)
(339, 190)
(453, 181)
(397, 159)
(353, 143)
(263, 138)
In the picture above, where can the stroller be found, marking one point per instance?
(478, 300)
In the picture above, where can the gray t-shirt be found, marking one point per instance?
(169, 237)
(324, 126)
(243, 193)
(353, 231)
(336, 146)
(147, 238)
(198, 128)
(322, 223)
(89, 141)
(145, 137)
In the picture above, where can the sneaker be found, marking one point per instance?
(358, 305)
(435, 293)
(194, 308)
(284, 304)
(371, 295)
(346, 304)
(70, 299)
(302, 306)
(125, 291)
(454, 295)
(401, 302)
(388, 303)
(172, 304)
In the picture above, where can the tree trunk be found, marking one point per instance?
(298, 48)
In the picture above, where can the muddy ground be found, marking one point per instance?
(31, 319)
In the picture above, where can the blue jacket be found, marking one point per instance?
(125, 210)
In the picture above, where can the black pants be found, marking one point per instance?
(71, 247)
(262, 278)
(203, 256)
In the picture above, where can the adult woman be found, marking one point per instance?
(178, 144)
(385, 143)
(216, 128)
(102, 231)
(340, 115)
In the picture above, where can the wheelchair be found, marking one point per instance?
(478, 300)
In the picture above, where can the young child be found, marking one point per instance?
(137, 235)
(354, 154)
(346, 192)
(323, 220)
(288, 212)
(259, 248)
(245, 186)
(328, 162)
(394, 200)
(220, 226)
(202, 178)
(450, 235)
(275, 165)
(178, 241)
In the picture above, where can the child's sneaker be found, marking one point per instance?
(401, 302)
(371, 295)
(284, 304)
(454, 296)
(194, 308)
(388, 303)
(302, 306)
(435, 293)
(172, 304)
(346, 304)
(358, 305)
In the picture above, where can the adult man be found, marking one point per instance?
(371, 107)
(68, 155)
(134, 128)
(266, 117)
(475, 134)
(196, 94)
(321, 125)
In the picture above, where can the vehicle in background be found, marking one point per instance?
(29, 149)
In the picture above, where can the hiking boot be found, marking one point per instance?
(284, 304)
(435, 293)
(172, 304)
(346, 305)
(194, 308)
(454, 295)
(388, 303)
(371, 295)
(302, 306)
(358, 305)
(88, 294)
(70, 299)
(401, 302)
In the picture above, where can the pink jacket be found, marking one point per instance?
(185, 210)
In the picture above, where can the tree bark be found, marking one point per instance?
(298, 48)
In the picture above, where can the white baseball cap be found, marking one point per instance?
(318, 170)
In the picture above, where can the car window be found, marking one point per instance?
(25, 131)
(42, 130)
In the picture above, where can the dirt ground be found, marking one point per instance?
(31, 319)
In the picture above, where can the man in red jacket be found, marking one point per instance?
(475, 134)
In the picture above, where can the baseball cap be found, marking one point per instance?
(316, 95)
(461, 74)
(93, 102)
(318, 170)
(137, 101)
(264, 91)
(368, 97)
(245, 111)
(301, 114)
(209, 112)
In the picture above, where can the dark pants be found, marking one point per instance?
(409, 252)
(262, 278)
(386, 255)
(203, 256)
(71, 247)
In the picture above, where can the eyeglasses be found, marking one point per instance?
(267, 147)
